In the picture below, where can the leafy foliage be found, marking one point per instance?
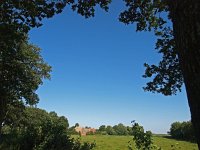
(180, 53)
(150, 15)
(110, 130)
(102, 128)
(182, 131)
(119, 129)
(167, 75)
(143, 140)
(38, 130)
(87, 8)
(146, 14)
(21, 66)
(22, 70)
(27, 14)
(24, 15)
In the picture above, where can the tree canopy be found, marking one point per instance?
(118, 129)
(153, 16)
(22, 68)
(22, 71)
(24, 15)
(182, 130)
(36, 129)
(178, 43)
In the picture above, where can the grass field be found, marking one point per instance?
(106, 142)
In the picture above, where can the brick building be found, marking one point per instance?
(84, 131)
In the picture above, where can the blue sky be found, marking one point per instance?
(97, 72)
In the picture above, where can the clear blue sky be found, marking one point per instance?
(97, 72)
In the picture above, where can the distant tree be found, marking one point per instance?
(110, 130)
(102, 128)
(87, 127)
(175, 130)
(77, 125)
(182, 130)
(130, 130)
(120, 129)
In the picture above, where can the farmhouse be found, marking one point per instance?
(84, 131)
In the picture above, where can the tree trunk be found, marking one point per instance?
(185, 16)
(1, 116)
(3, 109)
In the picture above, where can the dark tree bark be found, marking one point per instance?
(186, 25)
(2, 114)
(2, 111)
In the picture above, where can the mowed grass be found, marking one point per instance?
(106, 142)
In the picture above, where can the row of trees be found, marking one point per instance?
(183, 131)
(119, 129)
(36, 129)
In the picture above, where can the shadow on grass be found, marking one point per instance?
(167, 136)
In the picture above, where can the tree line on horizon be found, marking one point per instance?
(118, 129)
(178, 130)
(35, 128)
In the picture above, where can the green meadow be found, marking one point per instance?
(106, 142)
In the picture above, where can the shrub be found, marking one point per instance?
(143, 140)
